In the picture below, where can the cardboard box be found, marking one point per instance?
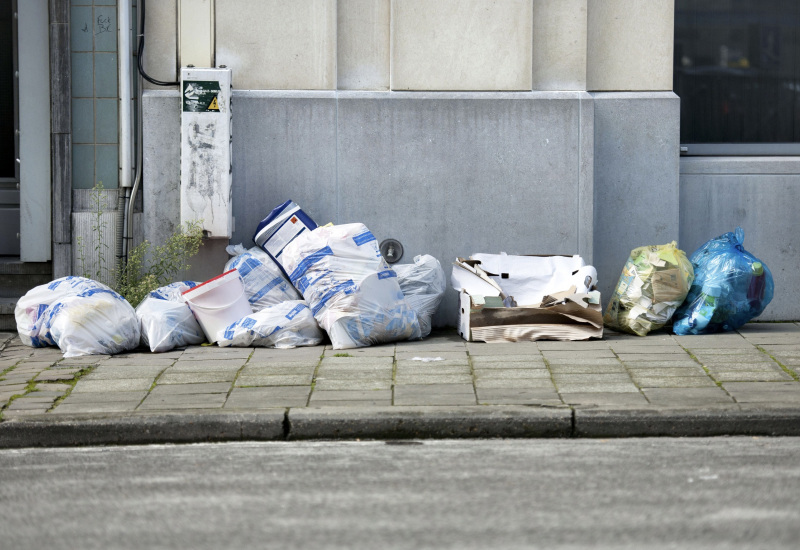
(564, 316)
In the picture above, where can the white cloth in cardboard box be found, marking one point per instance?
(529, 278)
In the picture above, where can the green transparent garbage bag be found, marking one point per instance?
(653, 284)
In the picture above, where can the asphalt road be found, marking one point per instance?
(634, 493)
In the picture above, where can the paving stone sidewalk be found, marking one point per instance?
(754, 370)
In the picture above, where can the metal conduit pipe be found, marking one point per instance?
(137, 181)
(125, 94)
(141, 74)
(119, 229)
(125, 97)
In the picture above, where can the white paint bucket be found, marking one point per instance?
(218, 303)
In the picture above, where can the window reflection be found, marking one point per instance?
(7, 149)
(737, 70)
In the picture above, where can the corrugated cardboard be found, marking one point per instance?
(565, 316)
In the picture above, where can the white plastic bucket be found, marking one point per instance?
(218, 302)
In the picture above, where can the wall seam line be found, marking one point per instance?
(578, 195)
(336, 158)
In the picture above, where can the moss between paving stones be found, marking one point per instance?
(785, 368)
(34, 386)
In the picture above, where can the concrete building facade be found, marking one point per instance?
(453, 126)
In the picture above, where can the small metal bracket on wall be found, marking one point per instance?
(391, 250)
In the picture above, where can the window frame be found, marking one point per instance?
(776, 149)
(740, 149)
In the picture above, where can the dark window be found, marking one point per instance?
(7, 109)
(737, 71)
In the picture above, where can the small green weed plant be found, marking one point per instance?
(148, 266)
(99, 270)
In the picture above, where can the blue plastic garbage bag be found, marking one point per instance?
(731, 287)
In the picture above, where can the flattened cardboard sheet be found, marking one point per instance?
(566, 316)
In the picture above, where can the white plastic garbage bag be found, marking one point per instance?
(423, 284)
(166, 320)
(351, 290)
(264, 284)
(30, 309)
(80, 316)
(286, 325)
(96, 322)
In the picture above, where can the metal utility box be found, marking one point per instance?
(206, 150)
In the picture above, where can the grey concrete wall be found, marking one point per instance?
(636, 161)
(447, 174)
(760, 194)
(455, 174)
(284, 146)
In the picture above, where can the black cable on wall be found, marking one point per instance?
(140, 55)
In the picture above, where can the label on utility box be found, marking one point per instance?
(200, 96)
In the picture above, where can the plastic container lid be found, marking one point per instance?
(210, 285)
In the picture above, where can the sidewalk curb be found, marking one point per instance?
(347, 423)
(685, 422)
(429, 422)
(141, 429)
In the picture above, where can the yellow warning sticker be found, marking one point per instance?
(213, 106)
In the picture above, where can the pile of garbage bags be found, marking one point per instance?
(720, 288)
(301, 283)
(304, 282)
